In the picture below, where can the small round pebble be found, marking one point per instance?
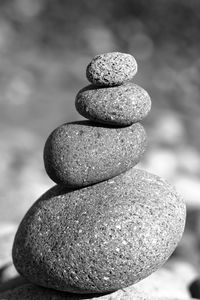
(100, 238)
(83, 153)
(121, 106)
(110, 69)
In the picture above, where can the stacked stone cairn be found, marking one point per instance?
(105, 225)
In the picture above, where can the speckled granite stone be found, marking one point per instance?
(162, 283)
(122, 105)
(83, 153)
(100, 238)
(33, 292)
(111, 69)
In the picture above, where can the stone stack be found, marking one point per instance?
(105, 225)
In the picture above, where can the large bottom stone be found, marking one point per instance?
(100, 238)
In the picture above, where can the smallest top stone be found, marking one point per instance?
(111, 69)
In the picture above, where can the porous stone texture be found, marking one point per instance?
(122, 105)
(83, 153)
(33, 292)
(110, 69)
(162, 283)
(100, 238)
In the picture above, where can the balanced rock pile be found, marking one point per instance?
(105, 225)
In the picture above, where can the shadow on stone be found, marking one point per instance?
(31, 292)
(12, 283)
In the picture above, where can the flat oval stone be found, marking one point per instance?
(83, 153)
(100, 238)
(111, 69)
(122, 105)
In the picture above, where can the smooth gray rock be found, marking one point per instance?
(122, 105)
(110, 69)
(100, 238)
(83, 153)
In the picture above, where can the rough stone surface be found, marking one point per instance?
(33, 292)
(163, 283)
(100, 238)
(83, 153)
(111, 69)
(122, 105)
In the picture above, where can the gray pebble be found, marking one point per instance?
(122, 105)
(111, 69)
(100, 238)
(83, 153)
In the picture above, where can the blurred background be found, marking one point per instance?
(45, 46)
